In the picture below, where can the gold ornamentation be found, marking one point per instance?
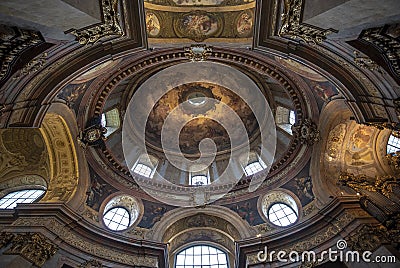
(365, 62)
(14, 42)
(198, 52)
(293, 28)
(32, 66)
(306, 131)
(368, 237)
(63, 159)
(32, 246)
(91, 264)
(394, 159)
(357, 183)
(68, 236)
(382, 184)
(109, 27)
(384, 125)
(388, 45)
(5, 239)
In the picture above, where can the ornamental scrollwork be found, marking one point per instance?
(198, 52)
(306, 132)
(381, 184)
(91, 264)
(368, 237)
(5, 239)
(109, 27)
(293, 28)
(32, 246)
(394, 160)
(365, 62)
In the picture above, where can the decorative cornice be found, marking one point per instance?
(293, 28)
(110, 25)
(32, 246)
(388, 45)
(13, 42)
(307, 132)
(365, 62)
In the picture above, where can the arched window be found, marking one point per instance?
(11, 200)
(110, 120)
(393, 144)
(254, 164)
(199, 178)
(145, 166)
(121, 212)
(285, 119)
(201, 256)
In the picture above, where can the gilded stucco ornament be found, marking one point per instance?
(5, 239)
(381, 184)
(15, 41)
(63, 160)
(307, 132)
(109, 27)
(293, 28)
(32, 66)
(365, 62)
(368, 237)
(394, 160)
(32, 246)
(198, 52)
(91, 264)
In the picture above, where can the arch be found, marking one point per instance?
(171, 217)
(64, 172)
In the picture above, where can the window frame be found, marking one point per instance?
(286, 215)
(218, 249)
(129, 218)
(395, 145)
(103, 118)
(19, 189)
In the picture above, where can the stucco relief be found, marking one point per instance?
(64, 165)
(22, 154)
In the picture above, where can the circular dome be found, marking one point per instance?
(197, 110)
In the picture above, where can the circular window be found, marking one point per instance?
(121, 212)
(281, 214)
(117, 218)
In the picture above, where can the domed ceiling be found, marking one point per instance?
(197, 112)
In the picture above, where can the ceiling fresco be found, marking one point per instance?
(199, 125)
(188, 20)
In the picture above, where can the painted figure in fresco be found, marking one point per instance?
(244, 24)
(152, 24)
(246, 212)
(199, 25)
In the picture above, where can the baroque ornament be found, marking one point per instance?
(109, 27)
(14, 41)
(293, 28)
(198, 52)
(307, 132)
(32, 246)
(368, 237)
(365, 62)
